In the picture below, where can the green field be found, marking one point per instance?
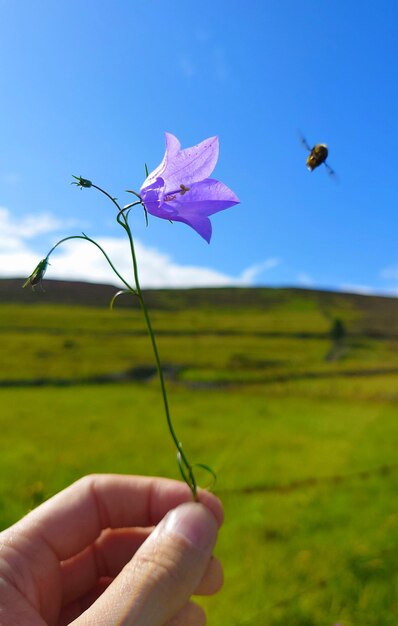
(301, 427)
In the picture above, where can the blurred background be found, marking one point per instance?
(278, 340)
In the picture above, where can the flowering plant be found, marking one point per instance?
(180, 190)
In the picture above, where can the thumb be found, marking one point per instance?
(162, 575)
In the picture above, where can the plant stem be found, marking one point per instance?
(103, 252)
(185, 466)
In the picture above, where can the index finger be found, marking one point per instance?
(72, 520)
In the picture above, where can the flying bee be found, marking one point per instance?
(317, 155)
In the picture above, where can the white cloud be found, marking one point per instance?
(81, 260)
(388, 274)
(364, 290)
(16, 257)
(248, 275)
(26, 228)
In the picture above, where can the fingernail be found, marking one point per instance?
(195, 523)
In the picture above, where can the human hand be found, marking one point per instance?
(111, 550)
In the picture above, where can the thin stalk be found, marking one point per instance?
(99, 247)
(181, 454)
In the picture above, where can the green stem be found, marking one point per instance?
(190, 479)
(108, 196)
(99, 247)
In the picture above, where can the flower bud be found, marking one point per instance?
(82, 182)
(37, 275)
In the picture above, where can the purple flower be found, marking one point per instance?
(179, 188)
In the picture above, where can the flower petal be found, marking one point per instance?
(200, 223)
(152, 197)
(191, 165)
(204, 198)
(179, 188)
(173, 146)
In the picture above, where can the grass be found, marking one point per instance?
(308, 485)
(60, 343)
(304, 447)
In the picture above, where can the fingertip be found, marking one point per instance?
(212, 580)
(213, 503)
(195, 522)
(168, 494)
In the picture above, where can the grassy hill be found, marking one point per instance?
(68, 334)
(290, 395)
(381, 313)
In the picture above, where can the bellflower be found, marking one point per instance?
(179, 188)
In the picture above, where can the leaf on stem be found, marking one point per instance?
(209, 470)
(119, 293)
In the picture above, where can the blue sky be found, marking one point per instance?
(88, 88)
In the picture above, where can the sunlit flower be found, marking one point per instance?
(179, 188)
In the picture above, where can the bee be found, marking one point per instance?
(36, 276)
(317, 155)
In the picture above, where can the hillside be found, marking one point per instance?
(374, 315)
(68, 335)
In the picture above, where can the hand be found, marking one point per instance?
(111, 551)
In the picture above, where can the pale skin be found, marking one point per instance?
(112, 550)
